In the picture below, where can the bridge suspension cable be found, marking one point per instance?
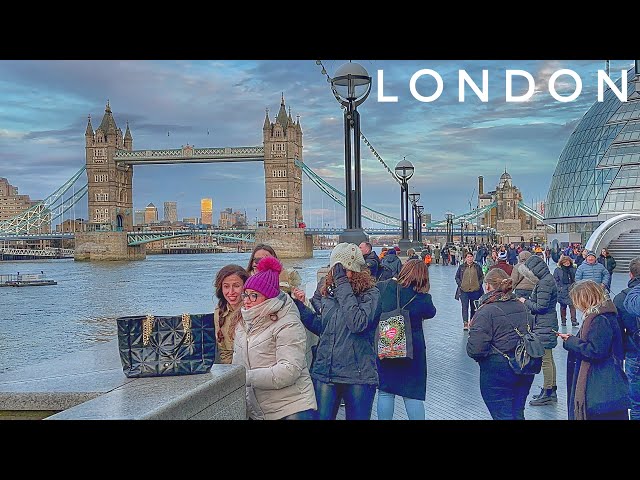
(340, 198)
(42, 213)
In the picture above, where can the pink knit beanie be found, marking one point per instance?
(267, 280)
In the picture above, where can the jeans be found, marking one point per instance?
(548, 369)
(632, 369)
(310, 414)
(386, 404)
(467, 299)
(504, 393)
(358, 400)
(563, 313)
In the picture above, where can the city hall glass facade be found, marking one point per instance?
(598, 172)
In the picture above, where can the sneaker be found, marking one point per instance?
(574, 323)
(563, 322)
(465, 326)
(549, 396)
(540, 394)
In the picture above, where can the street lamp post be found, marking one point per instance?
(351, 86)
(404, 171)
(414, 197)
(420, 209)
(449, 228)
(482, 233)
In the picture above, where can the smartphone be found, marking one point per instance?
(555, 331)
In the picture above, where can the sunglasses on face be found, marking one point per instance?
(252, 296)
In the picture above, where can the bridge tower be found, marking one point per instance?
(283, 179)
(110, 185)
(283, 187)
(110, 192)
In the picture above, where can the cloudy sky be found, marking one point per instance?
(45, 105)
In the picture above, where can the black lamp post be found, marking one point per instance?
(414, 198)
(449, 228)
(482, 233)
(404, 171)
(420, 209)
(351, 86)
(461, 229)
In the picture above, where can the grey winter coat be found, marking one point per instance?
(522, 277)
(542, 302)
(345, 325)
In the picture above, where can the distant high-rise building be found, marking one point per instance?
(150, 214)
(138, 217)
(12, 204)
(231, 219)
(206, 211)
(226, 218)
(171, 211)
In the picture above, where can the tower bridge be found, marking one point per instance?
(109, 166)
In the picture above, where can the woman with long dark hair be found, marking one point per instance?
(229, 285)
(492, 335)
(344, 319)
(406, 377)
(260, 251)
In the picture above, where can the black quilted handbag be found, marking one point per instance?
(159, 346)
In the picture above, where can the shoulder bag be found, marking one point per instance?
(158, 346)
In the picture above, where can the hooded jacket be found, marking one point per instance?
(393, 262)
(542, 302)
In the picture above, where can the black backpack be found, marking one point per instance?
(384, 272)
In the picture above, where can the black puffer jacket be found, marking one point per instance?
(494, 324)
(346, 328)
(542, 302)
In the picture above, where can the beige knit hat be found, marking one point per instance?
(349, 255)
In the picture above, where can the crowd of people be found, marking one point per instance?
(305, 357)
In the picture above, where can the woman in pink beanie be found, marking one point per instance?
(270, 343)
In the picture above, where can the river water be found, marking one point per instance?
(44, 322)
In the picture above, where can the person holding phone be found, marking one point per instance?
(597, 386)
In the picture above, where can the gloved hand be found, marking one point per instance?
(339, 271)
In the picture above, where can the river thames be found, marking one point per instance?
(44, 322)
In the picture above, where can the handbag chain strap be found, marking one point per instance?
(147, 328)
(186, 325)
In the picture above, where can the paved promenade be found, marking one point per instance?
(453, 386)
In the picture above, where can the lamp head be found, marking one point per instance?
(404, 169)
(352, 83)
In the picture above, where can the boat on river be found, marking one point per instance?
(25, 280)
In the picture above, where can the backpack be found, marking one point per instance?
(384, 272)
(393, 333)
(527, 358)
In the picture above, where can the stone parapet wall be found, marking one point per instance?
(287, 242)
(106, 246)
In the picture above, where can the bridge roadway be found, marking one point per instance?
(453, 385)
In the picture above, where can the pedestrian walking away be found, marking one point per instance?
(492, 333)
(406, 377)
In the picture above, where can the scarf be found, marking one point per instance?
(233, 316)
(580, 399)
(266, 309)
(568, 275)
(496, 296)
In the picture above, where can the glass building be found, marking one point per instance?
(598, 172)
